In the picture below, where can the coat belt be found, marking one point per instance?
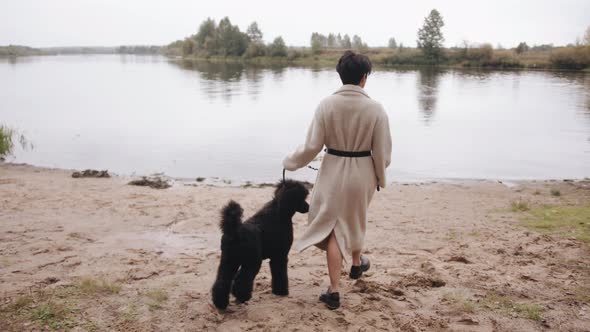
(352, 154)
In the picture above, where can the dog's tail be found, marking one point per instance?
(231, 217)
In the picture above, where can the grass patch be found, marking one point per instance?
(460, 303)
(157, 297)
(56, 309)
(6, 143)
(89, 286)
(537, 192)
(56, 316)
(583, 294)
(566, 220)
(130, 314)
(451, 235)
(555, 192)
(8, 137)
(474, 233)
(18, 305)
(519, 206)
(495, 302)
(505, 305)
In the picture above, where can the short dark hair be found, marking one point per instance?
(352, 67)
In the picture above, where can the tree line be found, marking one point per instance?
(430, 43)
(226, 39)
(319, 41)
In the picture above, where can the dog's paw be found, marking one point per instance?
(215, 310)
(237, 301)
(241, 296)
(281, 292)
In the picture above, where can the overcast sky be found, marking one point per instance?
(43, 23)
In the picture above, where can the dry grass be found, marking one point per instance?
(90, 286)
(519, 206)
(583, 294)
(56, 309)
(156, 298)
(130, 314)
(451, 235)
(19, 304)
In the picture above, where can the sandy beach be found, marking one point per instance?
(100, 255)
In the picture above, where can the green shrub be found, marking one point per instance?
(293, 54)
(483, 53)
(255, 50)
(6, 143)
(277, 48)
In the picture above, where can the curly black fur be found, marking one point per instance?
(267, 234)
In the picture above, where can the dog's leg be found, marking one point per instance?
(244, 282)
(225, 275)
(280, 280)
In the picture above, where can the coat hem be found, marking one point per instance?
(338, 236)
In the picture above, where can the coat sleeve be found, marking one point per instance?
(381, 148)
(314, 142)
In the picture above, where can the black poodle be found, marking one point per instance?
(267, 234)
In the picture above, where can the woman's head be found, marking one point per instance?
(353, 68)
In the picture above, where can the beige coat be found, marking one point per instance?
(348, 120)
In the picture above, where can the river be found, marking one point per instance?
(138, 115)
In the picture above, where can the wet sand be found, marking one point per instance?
(445, 257)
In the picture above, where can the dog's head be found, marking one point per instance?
(290, 196)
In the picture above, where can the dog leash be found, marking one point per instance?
(315, 169)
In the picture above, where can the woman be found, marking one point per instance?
(355, 130)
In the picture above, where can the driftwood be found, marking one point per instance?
(152, 182)
(91, 173)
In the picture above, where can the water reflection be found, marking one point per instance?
(570, 77)
(582, 82)
(17, 60)
(254, 77)
(428, 82)
(473, 74)
(277, 73)
(228, 79)
(217, 79)
(215, 71)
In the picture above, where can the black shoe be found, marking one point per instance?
(357, 271)
(332, 300)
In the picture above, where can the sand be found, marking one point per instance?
(445, 257)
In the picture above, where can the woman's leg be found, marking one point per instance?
(356, 258)
(334, 257)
